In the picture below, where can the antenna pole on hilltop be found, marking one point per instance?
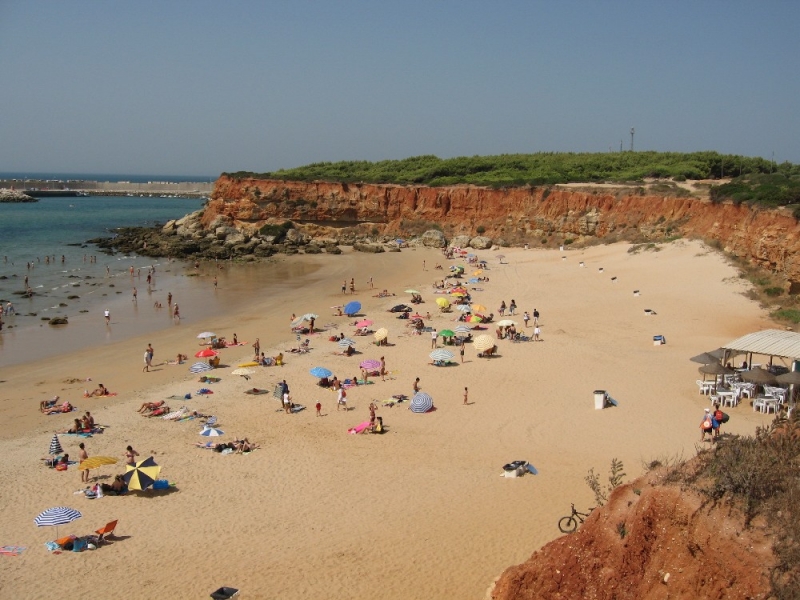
(632, 131)
(620, 145)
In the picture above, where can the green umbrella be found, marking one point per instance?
(446, 333)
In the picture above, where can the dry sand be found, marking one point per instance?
(420, 512)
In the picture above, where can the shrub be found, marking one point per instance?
(773, 291)
(615, 479)
(787, 314)
(480, 229)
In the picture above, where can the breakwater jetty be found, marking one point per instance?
(53, 187)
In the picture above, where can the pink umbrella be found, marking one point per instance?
(364, 323)
(371, 364)
(207, 353)
(416, 316)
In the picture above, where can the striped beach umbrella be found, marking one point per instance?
(421, 403)
(412, 292)
(462, 331)
(59, 515)
(206, 334)
(463, 308)
(211, 432)
(297, 322)
(482, 343)
(142, 475)
(55, 445)
(506, 323)
(370, 364)
(381, 334)
(346, 343)
(200, 367)
(321, 372)
(441, 354)
(352, 308)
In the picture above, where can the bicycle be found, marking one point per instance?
(570, 523)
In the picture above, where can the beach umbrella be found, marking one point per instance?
(478, 307)
(55, 445)
(211, 432)
(94, 462)
(758, 375)
(207, 353)
(297, 322)
(478, 272)
(446, 333)
(309, 316)
(482, 343)
(506, 323)
(475, 319)
(442, 302)
(463, 308)
(441, 354)
(463, 330)
(381, 334)
(421, 403)
(715, 369)
(346, 343)
(206, 334)
(200, 367)
(790, 378)
(364, 323)
(412, 292)
(142, 475)
(352, 308)
(500, 257)
(370, 364)
(243, 371)
(458, 290)
(706, 358)
(59, 515)
(416, 316)
(320, 372)
(458, 294)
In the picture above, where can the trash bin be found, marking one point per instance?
(599, 399)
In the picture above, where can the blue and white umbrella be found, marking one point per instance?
(441, 355)
(55, 445)
(352, 308)
(321, 372)
(346, 343)
(421, 403)
(463, 308)
(462, 331)
(199, 367)
(59, 515)
(211, 432)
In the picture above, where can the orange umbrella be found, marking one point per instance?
(207, 353)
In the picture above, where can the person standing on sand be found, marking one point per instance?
(526, 317)
(352, 285)
(416, 385)
(344, 287)
(461, 350)
(434, 335)
(383, 369)
(134, 295)
(107, 315)
(257, 348)
(215, 282)
(82, 456)
(466, 395)
(319, 409)
(535, 317)
(176, 314)
(536, 331)
(423, 266)
(169, 299)
(130, 456)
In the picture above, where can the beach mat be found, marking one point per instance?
(256, 392)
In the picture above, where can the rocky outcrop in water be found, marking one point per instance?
(7, 195)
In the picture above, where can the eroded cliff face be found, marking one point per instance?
(769, 238)
(656, 542)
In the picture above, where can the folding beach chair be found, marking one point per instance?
(106, 530)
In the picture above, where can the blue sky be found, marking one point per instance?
(197, 87)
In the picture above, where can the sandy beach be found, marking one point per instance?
(419, 512)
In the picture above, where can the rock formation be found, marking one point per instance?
(649, 542)
(7, 195)
(769, 238)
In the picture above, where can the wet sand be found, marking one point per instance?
(419, 512)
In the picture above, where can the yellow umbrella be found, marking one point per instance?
(443, 302)
(381, 334)
(478, 308)
(478, 272)
(482, 343)
(94, 462)
(459, 294)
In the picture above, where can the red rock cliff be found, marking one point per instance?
(767, 237)
(658, 543)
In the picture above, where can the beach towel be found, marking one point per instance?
(177, 397)
(12, 550)
(176, 414)
(296, 408)
(256, 392)
(74, 408)
(360, 428)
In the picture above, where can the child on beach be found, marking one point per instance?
(319, 409)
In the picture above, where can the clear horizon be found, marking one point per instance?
(163, 88)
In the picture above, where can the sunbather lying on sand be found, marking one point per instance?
(157, 412)
(60, 408)
(147, 406)
(45, 404)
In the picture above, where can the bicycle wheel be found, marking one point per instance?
(567, 524)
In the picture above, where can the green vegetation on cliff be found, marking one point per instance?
(545, 168)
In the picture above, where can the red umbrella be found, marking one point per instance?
(207, 353)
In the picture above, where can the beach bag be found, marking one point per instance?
(725, 417)
(707, 423)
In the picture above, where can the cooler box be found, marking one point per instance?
(599, 399)
(161, 484)
(658, 340)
